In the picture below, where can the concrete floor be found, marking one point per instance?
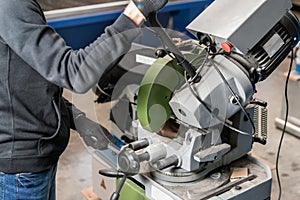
(75, 173)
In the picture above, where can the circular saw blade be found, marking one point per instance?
(155, 92)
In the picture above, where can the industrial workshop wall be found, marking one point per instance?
(79, 26)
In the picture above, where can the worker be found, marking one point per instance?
(35, 65)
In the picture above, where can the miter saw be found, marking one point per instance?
(195, 106)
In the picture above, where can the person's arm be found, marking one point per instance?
(24, 30)
(92, 133)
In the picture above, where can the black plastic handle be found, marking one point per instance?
(167, 41)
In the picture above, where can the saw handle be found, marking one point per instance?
(167, 41)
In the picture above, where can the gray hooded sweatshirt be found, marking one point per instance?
(35, 64)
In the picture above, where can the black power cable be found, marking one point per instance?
(207, 107)
(285, 123)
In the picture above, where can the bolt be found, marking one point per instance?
(238, 187)
(216, 176)
(134, 165)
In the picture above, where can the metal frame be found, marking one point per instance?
(75, 11)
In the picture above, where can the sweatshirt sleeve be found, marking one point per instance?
(73, 113)
(24, 29)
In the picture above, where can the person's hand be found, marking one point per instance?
(149, 6)
(92, 133)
